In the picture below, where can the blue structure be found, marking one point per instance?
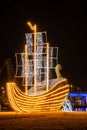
(79, 106)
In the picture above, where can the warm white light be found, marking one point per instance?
(47, 66)
(26, 69)
(50, 100)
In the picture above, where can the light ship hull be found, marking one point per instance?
(52, 100)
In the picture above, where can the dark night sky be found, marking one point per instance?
(66, 26)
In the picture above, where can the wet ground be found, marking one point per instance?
(43, 121)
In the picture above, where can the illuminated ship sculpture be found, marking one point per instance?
(42, 91)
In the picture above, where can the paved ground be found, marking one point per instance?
(43, 121)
